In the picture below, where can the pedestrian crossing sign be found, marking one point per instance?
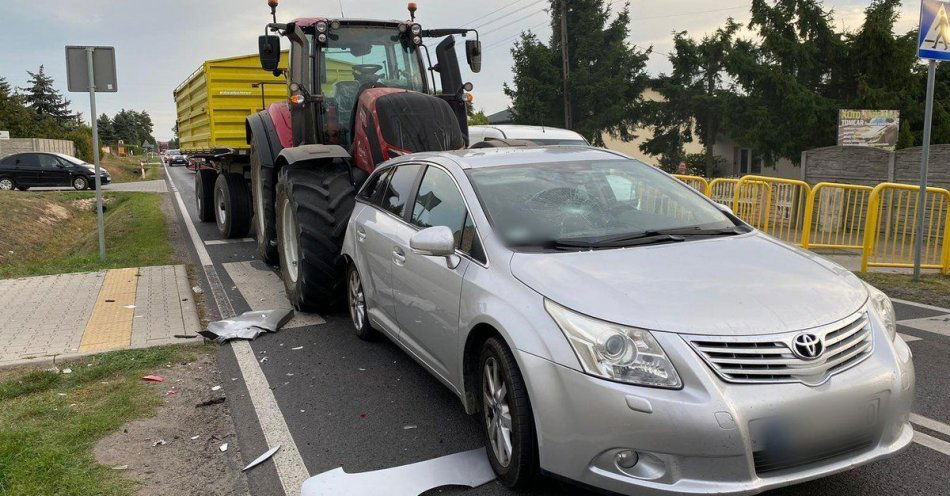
(934, 36)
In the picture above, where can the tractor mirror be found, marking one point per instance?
(269, 48)
(473, 53)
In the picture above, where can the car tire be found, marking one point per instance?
(356, 304)
(204, 194)
(263, 189)
(232, 205)
(313, 209)
(7, 184)
(80, 183)
(518, 467)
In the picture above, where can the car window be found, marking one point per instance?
(400, 185)
(48, 162)
(28, 160)
(8, 161)
(470, 243)
(439, 203)
(376, 196)
(369, 186)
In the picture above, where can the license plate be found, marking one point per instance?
(809, 429)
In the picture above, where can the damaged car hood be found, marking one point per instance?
(738, 285)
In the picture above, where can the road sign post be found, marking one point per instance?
(92, 69)
(933, 43)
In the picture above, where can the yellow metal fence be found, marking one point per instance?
(878, 221)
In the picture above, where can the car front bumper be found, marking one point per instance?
(699, 439)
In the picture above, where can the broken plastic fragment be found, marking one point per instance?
(160, 442)
(215, 388)
(153, 378)
(197, 289)
(257, 461)
(224, 447)
(297, 348)
(194, 437)
(248, 325)
(67, 371)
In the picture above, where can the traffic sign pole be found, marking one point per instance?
(95, 152)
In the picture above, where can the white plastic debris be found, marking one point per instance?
(248, 325)
(67, 371)
(129, 306)
(297, 348)
(160, 442)
(263, 359)
(410, 426)
(224, 447)
(120, 467)
(216, 388)
(257, 461)
(194, 437)
(197, 290)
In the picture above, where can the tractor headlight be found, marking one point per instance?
(416, 29)
(321, 27)
(615, 352)
(882, 306)
(322, 38)
(417, 40)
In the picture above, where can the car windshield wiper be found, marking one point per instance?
(698, 231)
(616, 241)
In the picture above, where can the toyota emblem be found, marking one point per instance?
(807, 346)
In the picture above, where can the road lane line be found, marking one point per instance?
(291, 469)
(934, 425)
(908, 338)
(939, 324)
(932, 442)
(920, 305)
(228, 241)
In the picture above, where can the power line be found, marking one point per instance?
(513, 22)
(508, 14)
(490, 13)
(507, 38)
(687, 13)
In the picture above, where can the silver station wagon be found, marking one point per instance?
(611, 326)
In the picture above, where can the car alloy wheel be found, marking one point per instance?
(496, 411)
(357, 303)
(80, 183)
(6, 184)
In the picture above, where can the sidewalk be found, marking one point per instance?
(153, 186)
(66, 315)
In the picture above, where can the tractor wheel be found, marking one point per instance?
(232, 205)
(263, 190)
(313, 208)
(204, 193)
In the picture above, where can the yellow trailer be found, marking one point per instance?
(215, 100)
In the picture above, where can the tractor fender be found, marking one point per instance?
(305, 153)
(260, 132)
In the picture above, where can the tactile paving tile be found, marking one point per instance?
(263, 290)
(110, 325)
(45, 315)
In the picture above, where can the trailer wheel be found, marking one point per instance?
(313, 208)
(204, 191)
(232, 205)
(263, 189)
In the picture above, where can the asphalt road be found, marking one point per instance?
(368, 406)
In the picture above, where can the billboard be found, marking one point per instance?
(874, 128)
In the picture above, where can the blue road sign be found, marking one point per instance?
(933, 40)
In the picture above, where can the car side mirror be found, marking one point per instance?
(473, 53)
(437, 241)
(269, 50)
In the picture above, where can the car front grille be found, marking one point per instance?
(769, 358)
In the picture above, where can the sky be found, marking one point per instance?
(159, 43)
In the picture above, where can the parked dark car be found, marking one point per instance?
(26, 170)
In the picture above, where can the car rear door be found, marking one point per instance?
(28, 170)
(377, 230)
(427, 290)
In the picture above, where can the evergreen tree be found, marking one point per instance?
(607, 74)
(5, 89)
(43, 98)
(106, 131)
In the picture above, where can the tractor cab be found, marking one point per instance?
(363, 85)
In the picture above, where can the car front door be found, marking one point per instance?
(377, 230)
(427, 290)
(54, 172)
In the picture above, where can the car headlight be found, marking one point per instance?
(615, 352)
(884, 309)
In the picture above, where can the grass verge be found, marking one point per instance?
(127, 169)
(933, 289)
(50, 421)
(53, 233)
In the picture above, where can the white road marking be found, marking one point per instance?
(228, 241)
(921, 305)
(907, 337)
(934, 425)
(939, 324)
(932, 442)
(291, 469)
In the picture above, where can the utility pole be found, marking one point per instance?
(565, 70)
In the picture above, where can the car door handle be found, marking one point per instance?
(360, 233)
(399, 257)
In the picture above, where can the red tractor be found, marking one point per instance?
(359, 92)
